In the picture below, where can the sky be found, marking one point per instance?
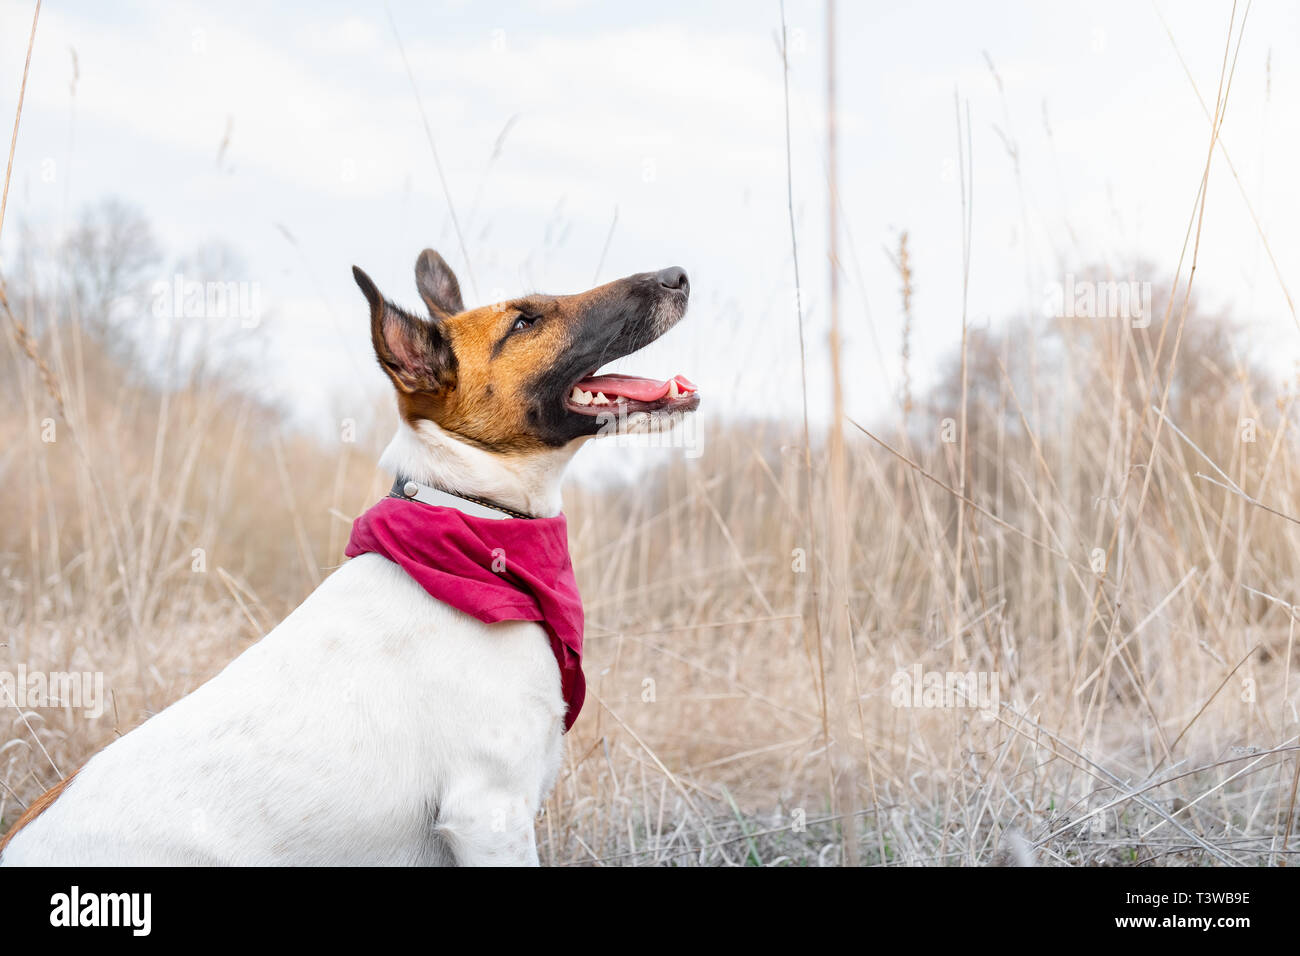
(583, 141)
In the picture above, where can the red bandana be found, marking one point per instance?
(513, 569)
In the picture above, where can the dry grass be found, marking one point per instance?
(1153, 730)
(1105, 536)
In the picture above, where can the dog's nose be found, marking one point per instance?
(674, 277)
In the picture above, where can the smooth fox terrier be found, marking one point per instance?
(378, 724)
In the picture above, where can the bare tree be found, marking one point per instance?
(106, 259)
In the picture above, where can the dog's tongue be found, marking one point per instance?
(633, 387)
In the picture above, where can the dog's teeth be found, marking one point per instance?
(672, 390)
(600, 399)
(580, 397)
(620, 399)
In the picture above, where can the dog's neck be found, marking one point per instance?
(527, 482)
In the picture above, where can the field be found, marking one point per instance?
(1122, 615)
(1043, 615)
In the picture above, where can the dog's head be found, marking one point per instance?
(521, 375)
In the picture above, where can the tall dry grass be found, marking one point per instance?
(1106, 536)
(1156, 728)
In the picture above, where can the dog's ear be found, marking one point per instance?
(437, 284)
(413, 352)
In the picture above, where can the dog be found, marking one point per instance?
(379, 724)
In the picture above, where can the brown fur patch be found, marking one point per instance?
(39, 806)
(490, 401)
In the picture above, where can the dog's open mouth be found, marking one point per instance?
(631, 394)
(636, 311)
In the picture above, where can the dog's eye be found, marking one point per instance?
(523, 322)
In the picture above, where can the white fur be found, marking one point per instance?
(432, 456)
(375, 725)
